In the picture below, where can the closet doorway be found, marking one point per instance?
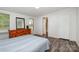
(45, 26)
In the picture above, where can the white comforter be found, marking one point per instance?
(26, 43)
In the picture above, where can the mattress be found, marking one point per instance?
(26, 43)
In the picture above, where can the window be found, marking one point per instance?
(4, 21)
(30, 23)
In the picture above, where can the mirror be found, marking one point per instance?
(20, 23)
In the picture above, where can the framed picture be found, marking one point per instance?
(20, 23)
(4, 21)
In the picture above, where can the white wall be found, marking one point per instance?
(61, 24)
(38, 25)
(4, 35)
(12, 22)
(77, 27)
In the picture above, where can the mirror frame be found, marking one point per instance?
(23, 19)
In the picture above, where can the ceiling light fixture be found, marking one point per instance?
(37, 7)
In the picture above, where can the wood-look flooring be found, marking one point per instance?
(62, 45)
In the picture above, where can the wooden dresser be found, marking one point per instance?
(19, 32)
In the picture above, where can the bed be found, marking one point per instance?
(25, 43)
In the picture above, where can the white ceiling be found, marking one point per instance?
(32, 11)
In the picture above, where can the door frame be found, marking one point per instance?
(46, 26)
